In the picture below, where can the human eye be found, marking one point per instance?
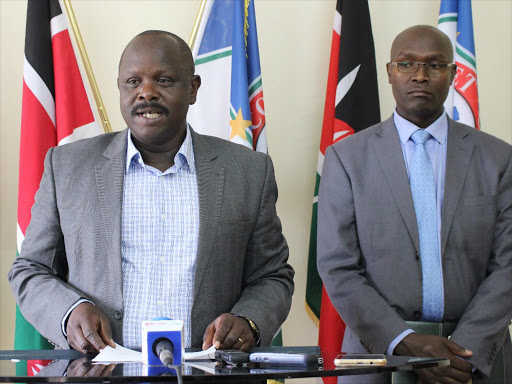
(133, 81)
(164, 80)
(436, 66)
(405, 64)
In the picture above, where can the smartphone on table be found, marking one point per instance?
(232, 356)
(359, 359)
(286, 358)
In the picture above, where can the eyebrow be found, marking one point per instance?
(436, 56)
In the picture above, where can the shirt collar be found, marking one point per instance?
(185, 155)
(438, 129)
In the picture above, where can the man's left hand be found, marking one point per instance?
(228, 332)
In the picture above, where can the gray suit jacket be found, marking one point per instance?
(368, 246)
(72, 247)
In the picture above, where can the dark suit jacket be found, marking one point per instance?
(72, 247)
(368, 246)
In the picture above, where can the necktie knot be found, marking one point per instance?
(420, 136)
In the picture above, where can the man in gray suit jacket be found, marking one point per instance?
(72, 278)
(368, 241)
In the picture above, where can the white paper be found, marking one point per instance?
(120, 354)
(208, 354)
(206, 366)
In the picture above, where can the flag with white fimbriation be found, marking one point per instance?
(351, 104)
(230, 102)
(56, 110)
(456, 20)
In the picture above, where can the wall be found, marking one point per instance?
(294, 39)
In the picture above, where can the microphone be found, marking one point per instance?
(162, 342)
(164, 348)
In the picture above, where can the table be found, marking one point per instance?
(73, 367)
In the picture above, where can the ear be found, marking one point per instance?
(195, 83)
(453, 72)
(389, 68)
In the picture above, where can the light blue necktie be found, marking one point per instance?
(424, 196)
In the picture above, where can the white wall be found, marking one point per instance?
(294, 40)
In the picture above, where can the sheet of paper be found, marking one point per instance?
(206, 366)
(119, 354)
(208, 354)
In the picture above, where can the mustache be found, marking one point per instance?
(151, 105)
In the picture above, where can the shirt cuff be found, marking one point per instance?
(397, 340)
(66, 316)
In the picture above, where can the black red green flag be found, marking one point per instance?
(56, 110)
(351, 104)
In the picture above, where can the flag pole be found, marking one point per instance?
(85, 59)
(199, 16)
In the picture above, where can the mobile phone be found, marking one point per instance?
(284, 358)
(359, 359)
(232, 356)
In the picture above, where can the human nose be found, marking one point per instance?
(148, 92)
(421, 73)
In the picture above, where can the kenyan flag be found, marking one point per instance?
(56, 110)
(351, 104)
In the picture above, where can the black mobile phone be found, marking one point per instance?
(232, 356)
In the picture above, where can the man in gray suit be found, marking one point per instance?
(369, 253)
(155, 220)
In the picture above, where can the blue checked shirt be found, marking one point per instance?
(159, 233)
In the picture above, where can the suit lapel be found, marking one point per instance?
(458, 156)
(210, 184)
(386, 145)
(109, 173)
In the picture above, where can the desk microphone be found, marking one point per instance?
(164, 348)
(162, 342)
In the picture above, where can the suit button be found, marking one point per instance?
(417, 255)
(417, 314)
(118, 314)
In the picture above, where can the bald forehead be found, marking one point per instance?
(422, 37)
(147, 44)
(142, 43)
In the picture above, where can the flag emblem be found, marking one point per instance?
(456, 20)
(230, 103)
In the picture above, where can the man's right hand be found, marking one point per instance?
(84, 367)
(459, 370)
(88, 329)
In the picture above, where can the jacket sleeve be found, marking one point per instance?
(484, 326)
(340, 263)
(268, 278)
(38, 275)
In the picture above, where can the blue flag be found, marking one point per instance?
(230, 100)
(456, 20)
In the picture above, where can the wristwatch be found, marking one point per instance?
(254, 328)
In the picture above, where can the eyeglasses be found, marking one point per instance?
(431, 68)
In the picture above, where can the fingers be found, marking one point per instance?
(223, 335)
(459, 370)
(208, 335)
(106, 332)
(461, 365)
(457, 350)
(88, 329)
(443, 375)
(84, 367)
(228, 332)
